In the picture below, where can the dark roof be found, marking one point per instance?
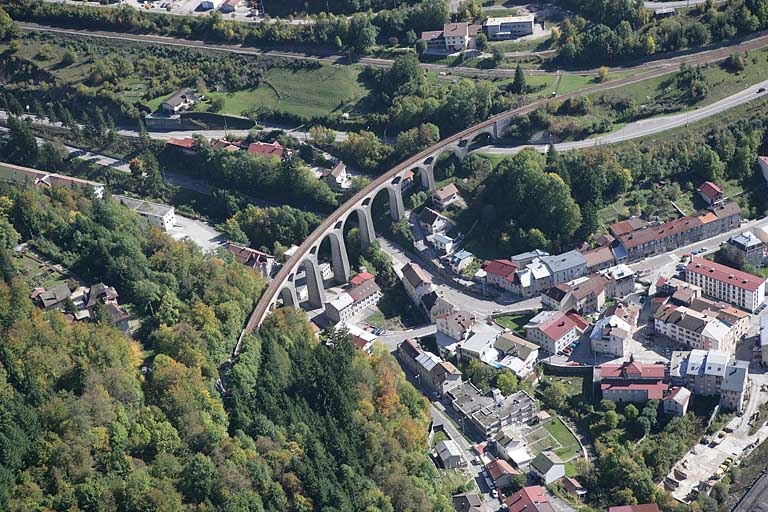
(410, 347)
(117, 313)
(432, 300)
(415, 275)
(179, 97)
(55, 295)
(100, 292)
(467, 502)
(557, 292)
(363, 290)
(648, 507)
(627, 226)
(429, 216)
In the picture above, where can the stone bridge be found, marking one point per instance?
(304, 262)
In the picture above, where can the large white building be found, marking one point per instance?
(554, 330)
(509, 27)
(611, 335)
(727, 284)
(158, 215)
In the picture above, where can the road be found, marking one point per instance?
(457, 295)
(646, 127)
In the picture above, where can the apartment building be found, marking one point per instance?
(509, 27)
(728, 284)
(554, 330)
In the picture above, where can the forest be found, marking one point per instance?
(93, 420)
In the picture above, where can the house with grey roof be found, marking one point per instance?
(745, 248)
(566, 266)
(548, 467)
(449, 454)
(734, 385)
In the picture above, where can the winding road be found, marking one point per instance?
(649, 126)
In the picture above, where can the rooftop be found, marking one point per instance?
(447, 191)
(266, 149)
(665, 230)
(745, 240)
(448, 448)
(455, 29)
(564, 261)
(556, 326)
(725, 274)
(649, 507)
(501, 268)
(415, 275)
(529, 499)
(545, 461)
(144, 207)
(510, 19)
(710, 190)
(679, 394)
(499, 468)
(627, 226)
(735, 378)
(361, 278)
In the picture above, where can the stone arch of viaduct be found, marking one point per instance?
(305, 262)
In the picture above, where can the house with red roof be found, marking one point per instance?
(361, 278)
(529, 499)
(633, 381)
(710, 192)
(500, 273)
(501, 472)
(648, 507)
(555, 330)
(266, 149)
(185, 145)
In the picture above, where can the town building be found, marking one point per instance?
(445, 196)
(438, 375)
(676, 402)
(501, 472)
(744, 290)
(636, 240)
(696, 329)
(764, 339)
(449, 454)
(182, 99)
(25, 176)
(337, 178)
(512, 447)
(53, 298)
(516, 354)
(435, 306)
(524, 258)
(456, 325)
(599, 258)
(648, 507)
(218, 144)
(529, 499)
(434, 222)
(158, 215)
(362, 339)
(710, 192)
(354, 299)
(574, 487)
(467, 502)
(84, 302)
(442, 243)
(185, 145)
(500, 273)
(509, 27)
(454, 37)
(633, 382)
(548, 467)
(416, 282)
(489, 413)
(745, 248)
(734, 385)
(460, 260)
(611, 335)
(566, 266)
(271, 149)
(252, 258)
(553, 331)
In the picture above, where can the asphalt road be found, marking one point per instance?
(647, 127)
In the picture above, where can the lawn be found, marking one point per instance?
(439, 437)
(569, 445)
(514, 322)
(302, 92)
(36, 273)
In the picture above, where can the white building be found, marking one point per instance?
(734, 385)
(548, 467)
(509, 27)
(724, 283)
(449, 454)
(516, 354)
(456, 36)
(353, 300)
(677, 401)
(611, 335)
(552, 331)
(158, 215)
(442, 243)
(416, 282)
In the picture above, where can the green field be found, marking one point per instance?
(303, 92)
(514, 322)
(569, 445)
